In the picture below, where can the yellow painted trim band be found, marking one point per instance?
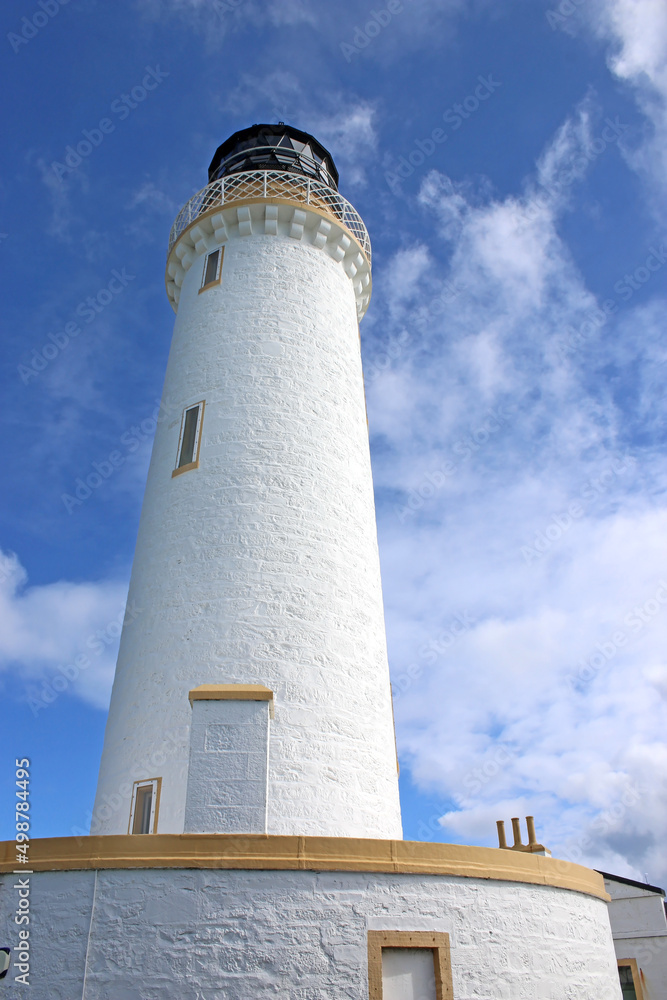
(231, 692)
(268, 853)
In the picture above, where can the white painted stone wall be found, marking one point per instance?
(261, 566)
(228, 770)
(300, 935)
(639, 927)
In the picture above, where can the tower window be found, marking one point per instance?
(190, 438)
(212, 269)
(145, 803)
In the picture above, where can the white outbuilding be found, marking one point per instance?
(639, 928)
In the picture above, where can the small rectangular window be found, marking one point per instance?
(190, 438)
(408, 974)
(628, 973)
(409, 965)
(145, 803)
(212, 269)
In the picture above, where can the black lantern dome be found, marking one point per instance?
(274, 147)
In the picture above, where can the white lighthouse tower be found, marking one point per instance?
(256, 563)
(246, 835)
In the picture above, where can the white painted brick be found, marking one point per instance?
(227, 773)
(170, 934)
(262, 565)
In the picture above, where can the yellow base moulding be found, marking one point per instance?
(270, 853)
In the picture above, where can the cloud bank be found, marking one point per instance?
(60, 638)
(517, 427)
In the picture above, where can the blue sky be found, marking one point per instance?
(509, 160)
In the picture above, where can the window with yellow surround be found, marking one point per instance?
(145, 805)
(409, 965)
(212, 269)
(189, 440)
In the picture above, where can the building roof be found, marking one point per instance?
(631, 881)
(274, 147)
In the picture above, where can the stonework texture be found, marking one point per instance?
(228, 770)
(261, 566)
(232, 935)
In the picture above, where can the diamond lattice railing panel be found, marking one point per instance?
(271, 184)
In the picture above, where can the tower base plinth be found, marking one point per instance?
(206, 916)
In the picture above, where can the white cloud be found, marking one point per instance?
(637, 31)
(521, 516)
(568, 150)
(150, 196)
(59, 638)
(344, 123)
(349, 133)
(291, 12)
(63, 215)
(640, 30)
(66, 223)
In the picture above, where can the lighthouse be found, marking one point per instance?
(246, 836)
(256, 572)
